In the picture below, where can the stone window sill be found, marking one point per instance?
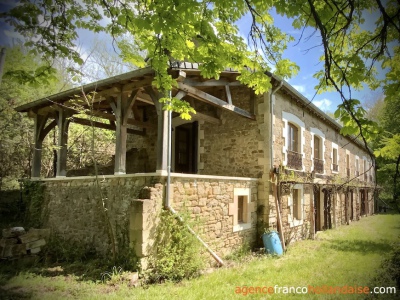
(295, 223)
(241, 226)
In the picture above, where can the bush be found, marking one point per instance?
(176, 252)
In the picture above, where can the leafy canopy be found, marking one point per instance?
(206, 32)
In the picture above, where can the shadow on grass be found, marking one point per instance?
(13, 294)
(362, 246)
(90, 270)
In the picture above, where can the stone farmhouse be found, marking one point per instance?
(243, 163)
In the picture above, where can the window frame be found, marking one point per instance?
(357, 166)
(315, 132)
(335, 147)
(289, 118)
(293, 221)
(246, 209)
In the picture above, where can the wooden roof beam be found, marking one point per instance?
(205, 97)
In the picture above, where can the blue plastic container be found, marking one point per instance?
(272, 243)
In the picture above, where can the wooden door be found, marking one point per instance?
(317, 219)
(327, 210)
(186, 148)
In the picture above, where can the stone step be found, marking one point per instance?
(13, 232)
(35, 244)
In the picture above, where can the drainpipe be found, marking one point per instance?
(271, 110)
(168, 194)
(278, 209)
(167, 198)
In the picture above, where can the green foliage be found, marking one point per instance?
(390, 147)
(389, 273)
(241, 253)
(175, 253)
(60, 249)
(33, 204)
(353, 117)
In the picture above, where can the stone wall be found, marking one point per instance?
(75, 210)
(231, 148)
(211, 201)
(146, 143)
(284, 103)
(75, 206)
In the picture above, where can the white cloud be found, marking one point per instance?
(323, 104)
(299, 88)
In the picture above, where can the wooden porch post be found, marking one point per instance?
(121, 109)
(63, 124)
(40, 122)
(40, 132)
(162, 131)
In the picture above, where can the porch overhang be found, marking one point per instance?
(115, 104)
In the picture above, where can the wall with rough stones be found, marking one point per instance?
(231, 148)
(74, 207)
(146, 145)
(284, 103)
(210, 201)
(340, 212)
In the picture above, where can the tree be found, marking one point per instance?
(206, 32)
(387, 149)
(16, 130)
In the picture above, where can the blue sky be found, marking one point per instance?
(305, 53)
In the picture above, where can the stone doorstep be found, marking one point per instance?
(35, 244)
(31, 236)
(10, 241)
(12, 250)
(41, 233)
(34, 250)
(13, 232)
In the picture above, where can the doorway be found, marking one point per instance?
(186, 145)
(317, 210)
(327, 209)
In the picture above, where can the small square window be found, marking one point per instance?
(295, 203)
(242, 209)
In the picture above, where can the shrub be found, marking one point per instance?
(175, 253)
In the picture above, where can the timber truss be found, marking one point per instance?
(120, 103)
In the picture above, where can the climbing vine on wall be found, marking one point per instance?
(33, 206)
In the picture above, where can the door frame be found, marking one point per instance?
(176, 122)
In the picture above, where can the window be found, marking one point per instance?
(365, 170)
(317, 142)
(371, 179)
(297, 213)
(295, 204)
(318, 149)
(241, 209)
(335, 158)
(357, 166)
(348, 164)
(293, 137)
(242, 205)
(293, 134)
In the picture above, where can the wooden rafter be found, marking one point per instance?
(110, 126)
(205, 97)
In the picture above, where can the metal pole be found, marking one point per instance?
(2, 61)
(167, 198)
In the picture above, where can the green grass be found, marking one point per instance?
(350, 255)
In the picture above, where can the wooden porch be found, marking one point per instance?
(121, 103)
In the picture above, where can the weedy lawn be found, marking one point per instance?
(348, 256)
